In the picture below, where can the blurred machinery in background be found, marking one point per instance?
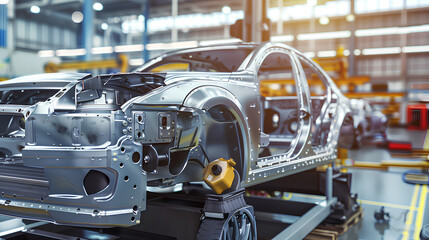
(120, 63)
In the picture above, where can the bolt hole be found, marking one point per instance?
(135, 186)
(133, 219)
(126, 178)
(135, 208)
(139, 134)
(136, 157)
(140, 118)
(122, 149)
(121, 165)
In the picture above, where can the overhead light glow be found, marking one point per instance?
(104, 26)
(346, 52)
(282, 38)
(357, 52)
(102, 50)
(309, 54)
(70, 52)
(136, 62)
(129, 48)
(97, 6)
(46, 53)
(311, 3)
(220, 41)
(35, 9)
(324, 20)
(3, 2)
(376, 32)
(173, 45)
(330, 53)
(391, 30)
(324, 35)
(415, 49)
(350, 18)
(77, 17)
(380, 51)
(226, 10)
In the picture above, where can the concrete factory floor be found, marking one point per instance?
(404, 202)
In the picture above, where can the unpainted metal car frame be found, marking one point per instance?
(81, 150)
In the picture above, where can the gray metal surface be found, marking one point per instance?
(309, 221)
(101, 140)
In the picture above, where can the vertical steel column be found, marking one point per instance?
(145, 36)
(257, 20)
(352, 41)
(254, 13)
(329, 179)
(174, 10)
(87, 30)
(3, 25)
(312, 42)
(226, 26)
(280, 21)
(403, 43)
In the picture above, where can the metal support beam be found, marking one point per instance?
(87, 30)
(280, 21)
(145, 36)
(352, 41)
(403, 43)
(307, 222)
(312, 29)
(174, 11)
(255, 18)
(3, 25)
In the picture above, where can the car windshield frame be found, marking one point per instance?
(177, 57)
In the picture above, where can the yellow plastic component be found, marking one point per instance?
(219, 174)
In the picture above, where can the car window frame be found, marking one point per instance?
(303, 94)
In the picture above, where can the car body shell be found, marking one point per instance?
(366, 119)
(88, 152)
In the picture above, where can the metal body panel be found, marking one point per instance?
(101, 140)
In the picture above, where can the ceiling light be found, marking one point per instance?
(324, 35)
(357, 52)
(309, 54)
(70, 52)
(173, 45)
(346, 52)
(104, 26)
(102, 50)
(226, 10)
(379, 51)
(77, 17)
(97, 6)
(35, 9)
(282, 38)
(136, 62)
(46, 53)
(311, 3)
(330, 53)
(129, 48)
(324, 20)
(220, 41)
(415, 49)
(350, 18)
(4, 2)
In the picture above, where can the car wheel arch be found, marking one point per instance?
(206, 98)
